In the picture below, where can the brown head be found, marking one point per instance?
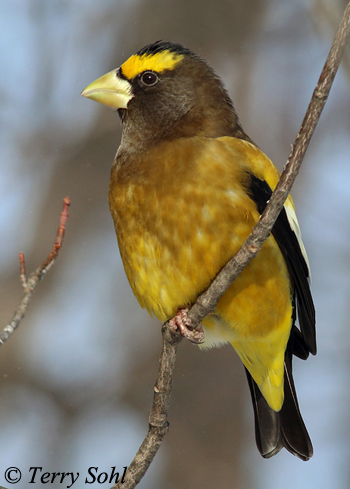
(166, 91)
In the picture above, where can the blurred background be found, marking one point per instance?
(76, 379)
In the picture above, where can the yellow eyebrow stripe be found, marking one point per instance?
(165, 60)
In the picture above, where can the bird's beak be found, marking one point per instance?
(110, 90)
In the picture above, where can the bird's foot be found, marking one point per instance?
(181, 322)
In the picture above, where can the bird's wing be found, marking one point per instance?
(287, 234)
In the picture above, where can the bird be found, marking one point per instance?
(187, 186)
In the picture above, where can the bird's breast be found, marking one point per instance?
(180, 214)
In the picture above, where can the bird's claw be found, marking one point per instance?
(181, 323)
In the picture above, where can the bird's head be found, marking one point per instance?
(167, 91)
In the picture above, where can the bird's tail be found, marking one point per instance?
(285, 428)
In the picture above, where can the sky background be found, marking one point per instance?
(76, 379)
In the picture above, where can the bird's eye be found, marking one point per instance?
(149, 78)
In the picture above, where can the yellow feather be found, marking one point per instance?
(181, 212)
(164, 60)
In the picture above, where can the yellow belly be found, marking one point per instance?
(177, 226)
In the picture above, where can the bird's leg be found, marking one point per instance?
(182, 323)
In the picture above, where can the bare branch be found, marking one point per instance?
(35, 277)
(158, 424)
(207, 301)
(22, 271)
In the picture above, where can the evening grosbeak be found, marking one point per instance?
(187, 186)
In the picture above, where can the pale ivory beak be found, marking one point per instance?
(110, 90)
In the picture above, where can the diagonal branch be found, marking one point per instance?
(207, 301)
(35, 277)
(158, 425)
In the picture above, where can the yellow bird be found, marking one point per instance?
(187, 186)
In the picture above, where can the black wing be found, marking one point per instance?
(286, 428)
(288, 243)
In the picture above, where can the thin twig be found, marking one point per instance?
(158, 425)
(325, 18)
(208, 300)
(35, 277)
(22, 271)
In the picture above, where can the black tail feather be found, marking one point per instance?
(267, 423)
(294, 433)
(286, 428)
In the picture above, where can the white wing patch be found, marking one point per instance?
(293, 222)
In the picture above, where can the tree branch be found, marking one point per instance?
(35, 277)
(158, 425)
(207, 301)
